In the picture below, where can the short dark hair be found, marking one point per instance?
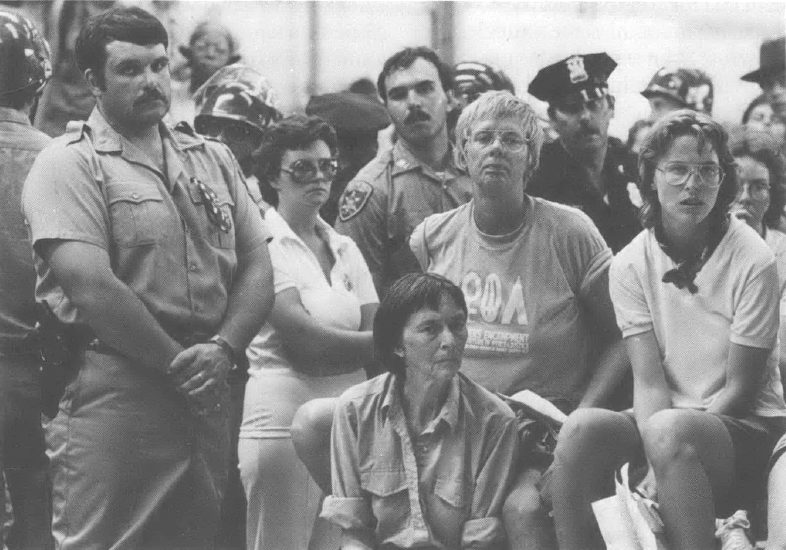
(759, 100)
(405, 297)
(638, 125)
(769, 156)
(131, 24)
(685, 122)
(405, 58)
(292, 133)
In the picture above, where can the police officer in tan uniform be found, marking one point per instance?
(151, 253)
(586, 168)
(416, 178)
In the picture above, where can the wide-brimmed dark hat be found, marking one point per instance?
(772, 58)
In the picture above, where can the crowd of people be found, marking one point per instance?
(225, 326)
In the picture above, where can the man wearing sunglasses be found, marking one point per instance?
(392, 194)
(153, 258)
(585, 168)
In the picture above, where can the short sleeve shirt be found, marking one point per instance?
(560, 178)
(524, 292)
(737, 302)
(333, 303)
(20, 143)
(443, 489)
(93, 186)
(386, 200)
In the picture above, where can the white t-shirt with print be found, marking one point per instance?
(737, 301)
(524, 292)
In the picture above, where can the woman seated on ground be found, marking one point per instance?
(535, 277)
(696, 298)
(422, 456)
(317, 339)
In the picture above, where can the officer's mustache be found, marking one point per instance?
(149, 95)
(416, 115)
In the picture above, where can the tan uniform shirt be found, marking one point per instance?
(387, 199)
(93, 186)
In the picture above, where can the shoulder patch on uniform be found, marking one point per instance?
(353, 199)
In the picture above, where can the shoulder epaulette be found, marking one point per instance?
(74, 130)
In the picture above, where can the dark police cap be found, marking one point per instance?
(350, 112)
(575, 79)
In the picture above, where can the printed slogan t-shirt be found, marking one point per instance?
(524, 291)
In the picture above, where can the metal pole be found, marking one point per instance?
(313, 50)
(443, 30)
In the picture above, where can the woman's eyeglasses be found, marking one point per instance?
(305, 170)
(678, 173)
(510, 141)
(758, 190)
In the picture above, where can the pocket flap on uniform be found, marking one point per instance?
(383, 482)
(133, 192)
(450, 490)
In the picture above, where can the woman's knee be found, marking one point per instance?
(589, 429)
(523, 503)
(669, 436)
(311, 425)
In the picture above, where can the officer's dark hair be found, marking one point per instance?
(293, 133)
(685, 122)
(131, 24)
(405, 58)
(766, 153)
(405, 297)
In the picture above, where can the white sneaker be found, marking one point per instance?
(732, 532)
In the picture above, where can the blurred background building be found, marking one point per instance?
(306, 48)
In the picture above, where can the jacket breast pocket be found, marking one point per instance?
(387, 489)
(451, 491)
(210, 221)
(137, 212)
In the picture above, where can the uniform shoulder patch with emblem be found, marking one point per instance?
(353, 199)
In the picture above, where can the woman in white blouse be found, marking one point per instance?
(317, 339)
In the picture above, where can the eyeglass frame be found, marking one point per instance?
(760, 192)
(694, 171)
(498, 135)
(318, 164)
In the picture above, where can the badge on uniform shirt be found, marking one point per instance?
(353, 200)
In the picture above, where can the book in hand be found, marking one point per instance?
(537, 407)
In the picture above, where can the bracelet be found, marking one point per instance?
(226, 346)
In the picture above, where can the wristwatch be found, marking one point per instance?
(226, 346)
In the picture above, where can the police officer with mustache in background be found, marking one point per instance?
(393, 193)
(585, 168)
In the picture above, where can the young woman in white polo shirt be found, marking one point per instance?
(317, 339)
